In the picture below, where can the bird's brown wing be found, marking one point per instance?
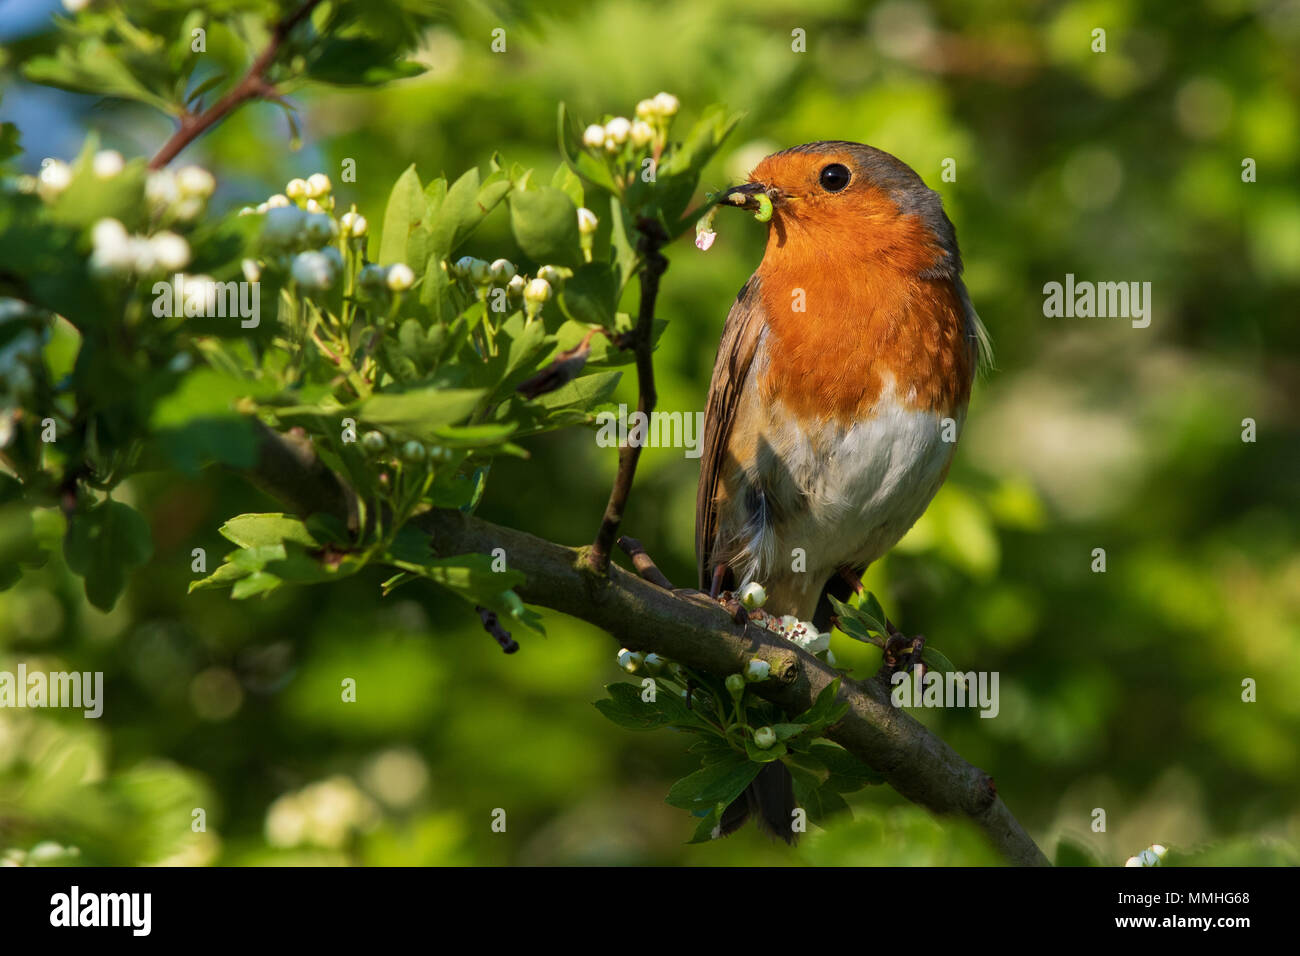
(740, 337)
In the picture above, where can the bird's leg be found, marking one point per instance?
(852, 577)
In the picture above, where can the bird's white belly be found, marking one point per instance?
(847, 495)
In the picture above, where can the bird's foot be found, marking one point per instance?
(732, 605)
(903, 653)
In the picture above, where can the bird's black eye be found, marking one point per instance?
(835, 177)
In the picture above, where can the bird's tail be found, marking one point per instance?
(769, 800)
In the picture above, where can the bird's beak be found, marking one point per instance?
(745, 196)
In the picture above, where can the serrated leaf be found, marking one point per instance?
(103, 545)
(718, 783)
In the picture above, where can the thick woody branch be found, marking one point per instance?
(252, 86)
(699, 634)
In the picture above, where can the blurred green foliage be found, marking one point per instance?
(1120, 690)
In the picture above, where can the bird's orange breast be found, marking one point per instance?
(868, 319)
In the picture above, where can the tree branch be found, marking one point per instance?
(252, 86)
(642, 341)
(699, 634)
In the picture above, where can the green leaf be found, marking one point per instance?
(545, 224)
(405, 213)
(855, 623)
(808, 768)
(590, 295)
(262, 530)
(418, 412)
(359, 61)
(103, 545)
(718, 783)
(708, 825)
(933, 658)
(847, 772)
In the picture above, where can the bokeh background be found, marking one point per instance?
(1119, 690)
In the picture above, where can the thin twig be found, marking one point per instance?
(642, 341)
(254, 85)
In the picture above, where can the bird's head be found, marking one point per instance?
(846, 202)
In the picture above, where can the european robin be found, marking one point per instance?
(840, 387)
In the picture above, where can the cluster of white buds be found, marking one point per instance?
(178, 194)
(115, 252)
(1153, 855)
(353, 225)
(311, 194)
(412, 452)
(291, 229)
(650, 127)
(660, 107)
(377, 281)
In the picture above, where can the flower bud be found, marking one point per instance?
(735, 685)
(353, 224)
(318, 185)
(313, 271)
(655, 664)
(617, 130)
(480, 272)
(646, 109)
(754, 596)
(160, 189)
(666, 104)
(374, 442)
(112, 253)
(296, 189)
(283, 226)
(252, 270)
(462, 267)
(399, 277)
(314, 206)
(630, 661)
(414, 452)
(587, 221)
(107, 164)
(757, 670)
(278, 201)
(764, 738)
(373, 278)
(501, 271)
(170, 252)
(594, 136)
(536, 292)
(319, 229)
(516, 286)
(550, 274)
(55, 177)
(195, 181)
(643, 133)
